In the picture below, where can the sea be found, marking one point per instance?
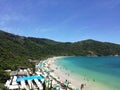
(104, 70)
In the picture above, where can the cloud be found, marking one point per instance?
(2, 23)
(10, 29)
(9, 17)
(84, 28)
(13, 19)
(42, 30)
(4, 20)
(12, 23)
(45, 30)
(61, 25)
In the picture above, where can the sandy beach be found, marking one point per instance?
(76, 82)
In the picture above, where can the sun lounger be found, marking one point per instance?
(42, 80)
(7, 83)
(15, 78)
(13, 87)
(14, 83)
(38, 84)
(30, 84)
(23, 85)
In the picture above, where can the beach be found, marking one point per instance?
(63, 75)
(76, 81)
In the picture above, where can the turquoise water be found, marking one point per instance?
(104, 70)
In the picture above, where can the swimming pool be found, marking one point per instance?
(29, 78)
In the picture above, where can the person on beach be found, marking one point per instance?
(82, 86)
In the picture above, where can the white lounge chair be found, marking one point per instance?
(38, 84)
(13, 87)
(30, 84)
(23, 85)
(14, 81)
(14, 78)
(7, 83)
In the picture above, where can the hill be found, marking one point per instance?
(16, 50)
(14, 47)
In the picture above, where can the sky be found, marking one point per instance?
(62, 20)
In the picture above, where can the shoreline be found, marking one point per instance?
(76, 82)
(66, 75)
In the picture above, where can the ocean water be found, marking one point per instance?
(104, 70)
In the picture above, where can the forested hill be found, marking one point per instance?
(18, 47)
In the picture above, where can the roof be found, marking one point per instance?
(13, 73)
(22, 73)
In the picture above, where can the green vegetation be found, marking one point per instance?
(17, 50)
